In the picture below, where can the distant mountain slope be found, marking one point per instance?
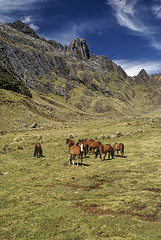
(72, 75)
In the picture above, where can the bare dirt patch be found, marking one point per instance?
(94, 209)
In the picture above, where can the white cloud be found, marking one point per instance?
(12, 10)
(8, 6)
(132, 68)
(33, 26)
(29, 21)
(156, 9)
(126, 14)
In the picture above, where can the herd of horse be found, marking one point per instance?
(83, 147)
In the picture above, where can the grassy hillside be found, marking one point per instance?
(45, 198)
(19, 112)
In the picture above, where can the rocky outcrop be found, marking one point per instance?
(22, 27)
(41, 63)
(141, 78)
(155, 79)
(56, 45)
(9, 82)
(79, 47)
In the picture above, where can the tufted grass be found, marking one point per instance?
(45, 198)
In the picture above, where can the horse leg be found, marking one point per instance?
(73, 160)
(104, 156)
(70, 159)
(87, 148)
(77, 160)
(100, 156)
(108, 155)
(85, 152)
(82, 158)
(122, 153)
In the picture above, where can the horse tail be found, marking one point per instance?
(122, 148)
(97, 151)
(87, 147)
(35, 151)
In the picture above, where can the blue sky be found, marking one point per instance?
(126, 31)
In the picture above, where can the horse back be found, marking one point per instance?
(107, 148)
(95, 144)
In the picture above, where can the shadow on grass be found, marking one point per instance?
(79, 164)
(121, 156)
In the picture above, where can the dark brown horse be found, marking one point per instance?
(119, 147)
(88, 141)
(75, 151)
(107, 148)
(37, 150)
(70, 142)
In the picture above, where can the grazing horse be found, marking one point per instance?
(119, 147)
(70, 142)
(76, 151)
(93, 145)
(37, 150)
(88, 141)
(107, 148)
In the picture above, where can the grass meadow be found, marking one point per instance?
(45, 198)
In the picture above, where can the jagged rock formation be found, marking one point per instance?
(80, 48)
(155, 79)
(142, 77)
(22, 27)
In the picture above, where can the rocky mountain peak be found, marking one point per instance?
(142, 77)
(22, 27)
(79, 47)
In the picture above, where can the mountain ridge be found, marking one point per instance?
(73, 75)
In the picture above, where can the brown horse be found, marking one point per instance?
(70, 142)
(93, 145)
(75, 151)
(37, 150)
(119, 147)
(107, 148)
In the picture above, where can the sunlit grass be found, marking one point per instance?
(45, 198)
